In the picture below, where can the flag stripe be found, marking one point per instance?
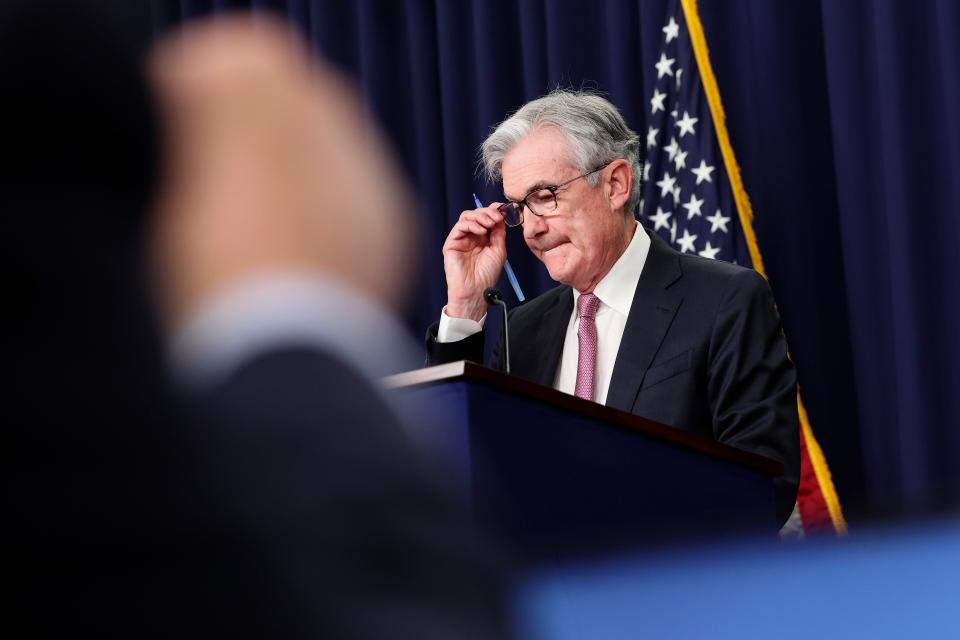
(822, 471)
(745, 212)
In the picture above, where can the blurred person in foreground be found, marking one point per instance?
(687, 341)
(268, 490)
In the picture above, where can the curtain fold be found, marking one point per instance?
(894, 85)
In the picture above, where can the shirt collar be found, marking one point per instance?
(617, 288)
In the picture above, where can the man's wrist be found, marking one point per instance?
(471, 309)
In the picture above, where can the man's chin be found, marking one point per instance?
(558, 266)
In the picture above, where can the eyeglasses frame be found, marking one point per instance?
(523, 204)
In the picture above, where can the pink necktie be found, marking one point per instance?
(587, 306)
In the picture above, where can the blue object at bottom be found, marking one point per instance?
(895, 583)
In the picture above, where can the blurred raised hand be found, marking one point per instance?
(271, 165)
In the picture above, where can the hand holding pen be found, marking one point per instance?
(474, 254)
(511, 276)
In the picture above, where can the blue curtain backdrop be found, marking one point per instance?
(844, 119)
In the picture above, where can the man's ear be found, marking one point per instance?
(619, 181)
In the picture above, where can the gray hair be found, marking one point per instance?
(596, 135)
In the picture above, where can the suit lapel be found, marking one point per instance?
(550, 338)
(653, 309)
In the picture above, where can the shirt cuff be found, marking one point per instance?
(289, 310)
(454, 329)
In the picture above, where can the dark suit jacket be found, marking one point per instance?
(703, 350)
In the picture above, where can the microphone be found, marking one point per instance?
(493, 296)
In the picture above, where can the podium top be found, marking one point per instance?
(466, 371)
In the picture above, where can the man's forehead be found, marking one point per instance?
(537, 160)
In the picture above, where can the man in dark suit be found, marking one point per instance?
(277, 496)
(680, 339)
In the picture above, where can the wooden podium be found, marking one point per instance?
(549, 472)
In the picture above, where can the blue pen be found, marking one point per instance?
(510, 275)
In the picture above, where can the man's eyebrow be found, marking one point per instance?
(540, 184)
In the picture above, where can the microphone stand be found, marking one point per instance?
(494, 297)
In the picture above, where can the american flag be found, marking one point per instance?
(687, 197)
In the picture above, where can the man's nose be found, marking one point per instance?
(533, 226)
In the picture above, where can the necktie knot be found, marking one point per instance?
(587, 305)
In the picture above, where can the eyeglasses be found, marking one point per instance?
(540, 201)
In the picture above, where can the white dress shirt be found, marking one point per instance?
(615, 291)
